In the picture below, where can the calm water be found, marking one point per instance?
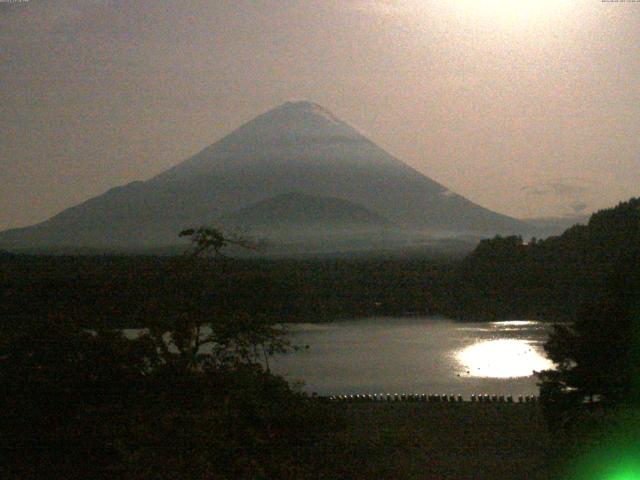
(417, 355)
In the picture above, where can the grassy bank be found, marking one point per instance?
(440, 441)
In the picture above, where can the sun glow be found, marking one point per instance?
(514, 13)
(502, 359)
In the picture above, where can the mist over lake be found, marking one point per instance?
(417, 355)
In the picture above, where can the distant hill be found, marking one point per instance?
(296, 147)
(294, 211)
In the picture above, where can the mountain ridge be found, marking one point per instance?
(298, 146)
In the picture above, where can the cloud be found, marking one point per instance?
(569, 195)
(557, 188)
(579, 207)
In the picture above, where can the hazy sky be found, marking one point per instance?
(528, 107)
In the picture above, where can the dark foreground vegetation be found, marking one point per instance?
(83, 405)
(186, 398)
(481, 441)
(120, 290)
(78, 405)
(191, 397)
(442, 441)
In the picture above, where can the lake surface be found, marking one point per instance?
(417, 355)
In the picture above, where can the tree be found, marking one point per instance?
(215, 405)
(597, 358)
(186, 332)
(209, 240)
(188, 398)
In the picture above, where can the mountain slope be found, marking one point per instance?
(298, 147)
(298, 210)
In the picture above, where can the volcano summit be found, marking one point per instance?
(297, 148)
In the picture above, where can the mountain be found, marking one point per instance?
(296, 147)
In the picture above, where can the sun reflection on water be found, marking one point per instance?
(505, 358)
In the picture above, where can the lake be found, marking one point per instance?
(417, 355)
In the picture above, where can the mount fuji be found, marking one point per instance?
(293, 156)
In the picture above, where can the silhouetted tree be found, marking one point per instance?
(209, 240)
(187, 398)
(597, 358)
(225, 416)
(191, 336)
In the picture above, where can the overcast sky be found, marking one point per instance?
(527, 107)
